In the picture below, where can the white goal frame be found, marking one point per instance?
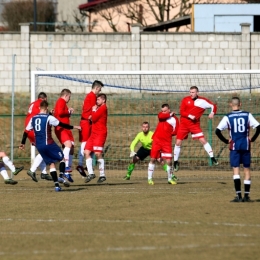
(158, 72)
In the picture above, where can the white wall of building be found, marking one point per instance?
(223, 17)
(66, 10)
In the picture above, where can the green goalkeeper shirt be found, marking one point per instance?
(145, 140)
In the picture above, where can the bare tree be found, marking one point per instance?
(16, 12)
(144, 12)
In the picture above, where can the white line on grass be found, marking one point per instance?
(23, 233)
(125, 249)
(131, 221)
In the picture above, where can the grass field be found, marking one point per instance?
(129, 219)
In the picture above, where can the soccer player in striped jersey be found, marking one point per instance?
(49, 150)
(238, 123)
(162, 142)
(145, 138)
(191, 109)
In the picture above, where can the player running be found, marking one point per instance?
(49, 150)
(34, 109)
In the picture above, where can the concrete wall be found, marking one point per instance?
(124, 51)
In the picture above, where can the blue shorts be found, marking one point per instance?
(50, 153)
(240, 157)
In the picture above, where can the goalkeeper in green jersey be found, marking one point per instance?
(145, 138)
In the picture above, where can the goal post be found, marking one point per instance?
(136, 96)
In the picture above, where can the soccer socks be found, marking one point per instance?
(165, 167)
(237, 184)
(81, 157)
(36, 163)
(54, 175)
(177, 150)
(82, 148)
(66, 152)
(208, 149)
(9, 163)
(169, 172)
(89, 166)
(247, 185)
(101, 167)
(130, 169)
(150, 170)
(62, 167)
(4, 174)
(70, 160)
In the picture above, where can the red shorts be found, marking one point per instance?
(161, 150)
(96, 142)
(64, 135)
(188, 126)
(85, 132)
(31, 137)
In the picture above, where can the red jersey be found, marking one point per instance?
(61, 111)
(166, 128)
(99, 120)
(33, 110)
(89, 102)
(196, 107)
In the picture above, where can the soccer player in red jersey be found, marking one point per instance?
(34, 109)
(62, 112)
(191, 109)
(86, 120)
(97, 138)
(162, 142)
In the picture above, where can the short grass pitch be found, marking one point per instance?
(128, 220)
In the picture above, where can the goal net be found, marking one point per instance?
(134, 97)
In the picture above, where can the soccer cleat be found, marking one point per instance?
(68, 177)
(101, 179)
(247, 199)
(11, 181)
(81, 171)
(60, 180)
(46, 176)
(65, 183)
(17, 170)
(58, 188)
(150, 182)
(174, 178)
(68, 169)
(214, 161)
(237, 199)
(90, 177)
(32, 175)
(127, 177)
(176, 166)
(172, 182)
